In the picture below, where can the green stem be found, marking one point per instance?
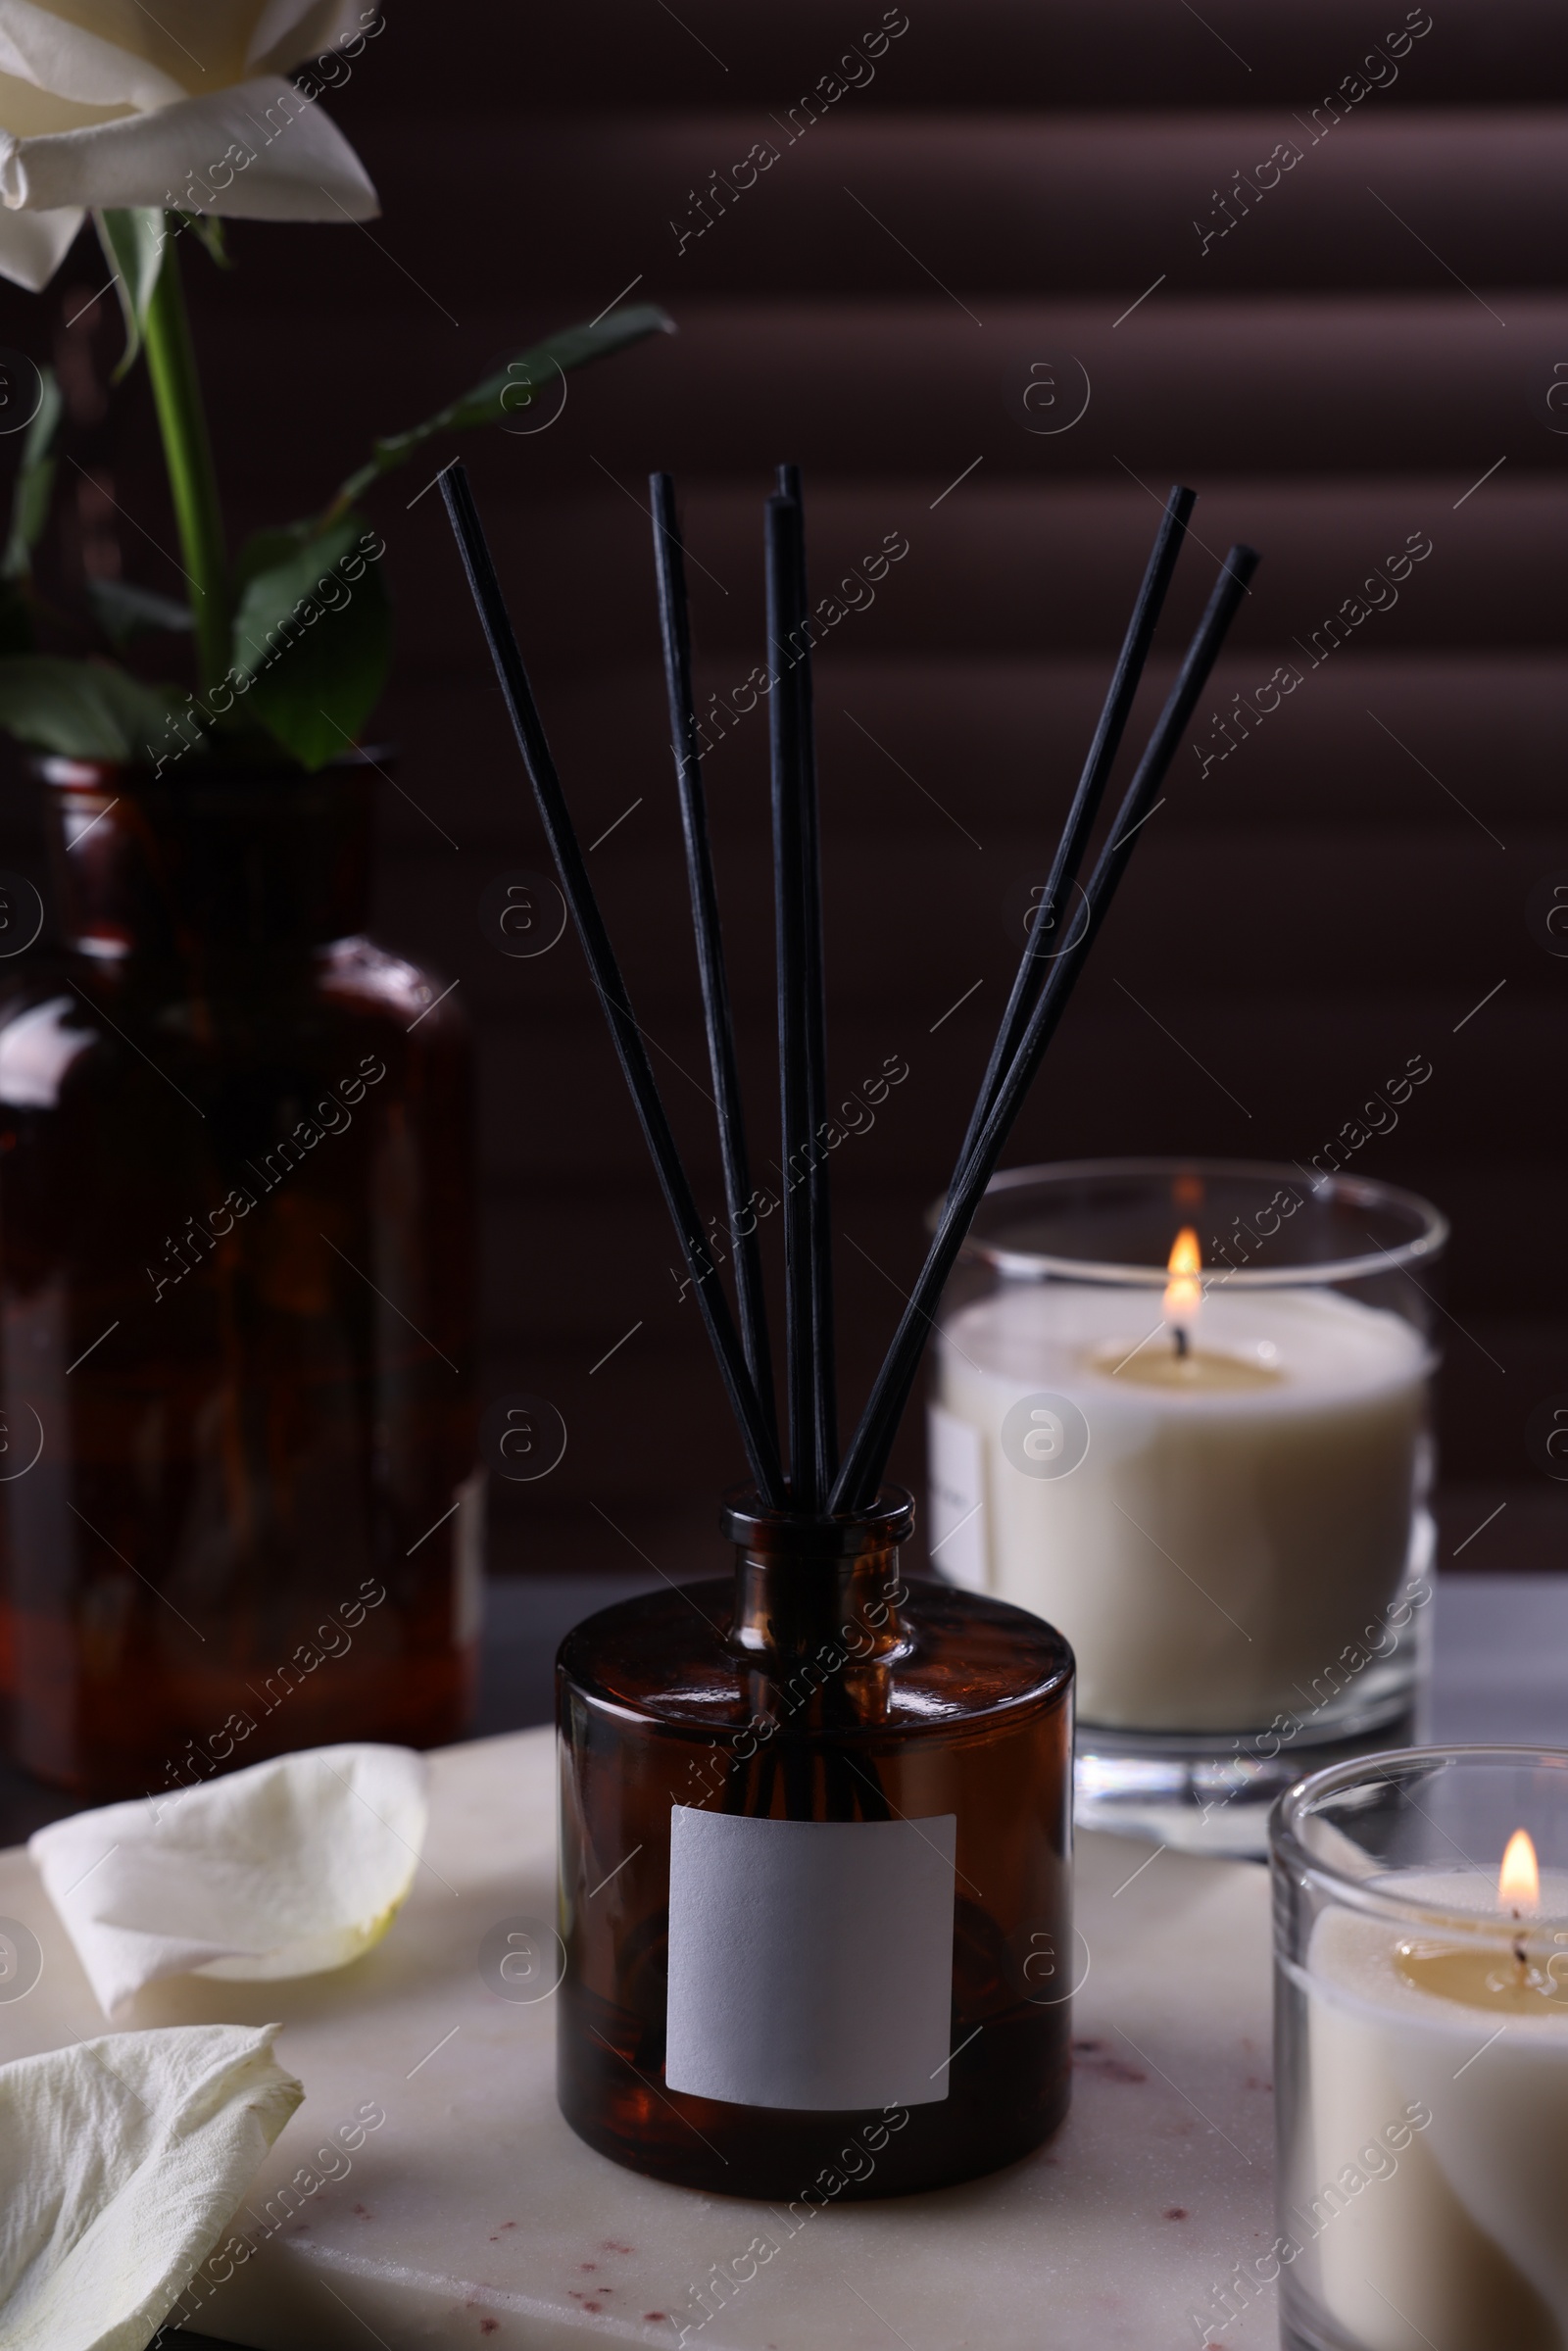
(192, 476)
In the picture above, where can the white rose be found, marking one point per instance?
(102, 103)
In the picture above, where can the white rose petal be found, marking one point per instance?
(26, 112)
(255, 152)
(62, 54)
(122, 2163)
(285, 1868)
(289, 33)
(112, 104)
(32, 246)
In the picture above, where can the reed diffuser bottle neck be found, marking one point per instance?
(800, 1583)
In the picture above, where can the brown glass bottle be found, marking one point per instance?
(236, 1289)
(815, 1687)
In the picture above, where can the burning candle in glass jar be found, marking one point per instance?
(1212, 1500)
(1431, 2166)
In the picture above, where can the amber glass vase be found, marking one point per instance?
(239, 1505)
(814, 1872)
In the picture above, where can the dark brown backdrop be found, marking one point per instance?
(1367, 354)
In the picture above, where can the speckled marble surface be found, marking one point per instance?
(472, 2214)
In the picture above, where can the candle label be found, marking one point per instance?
(956, 1469)
(811, 1962)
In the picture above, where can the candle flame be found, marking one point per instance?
(1184, 1291)
(1519, 1879)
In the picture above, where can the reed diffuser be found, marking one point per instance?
(816, 1822)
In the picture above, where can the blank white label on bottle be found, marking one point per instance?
(811, 1962)
(955, 1472)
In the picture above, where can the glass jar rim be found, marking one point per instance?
(1291, 1856)
(1366, 1191)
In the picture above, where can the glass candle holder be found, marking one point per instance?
(1214, 1480)
(815, 1845)
(1421, 2006)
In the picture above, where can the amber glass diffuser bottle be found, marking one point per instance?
(815, 1835)
(815, 1871)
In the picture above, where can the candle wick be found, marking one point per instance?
(1179, 1337)
(1521, 1959)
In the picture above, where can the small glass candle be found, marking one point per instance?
(815, 1845)
(1421, 2006)
(1180, 1410)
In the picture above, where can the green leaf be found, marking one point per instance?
(125, 611)
(267, 550)
(35, 483)
(312, 634)
(208, 229)
(85, 709)
(489, 403)
(133, 241)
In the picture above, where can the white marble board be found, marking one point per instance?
(473, 2216)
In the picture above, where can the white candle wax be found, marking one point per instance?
(1430, 2176)
(1238, 1522)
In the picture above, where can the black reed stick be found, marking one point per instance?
(669, 560)
(761, 1452)
(790, 926)
(1114, 714)
(824, 1343)
(866, 1457)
